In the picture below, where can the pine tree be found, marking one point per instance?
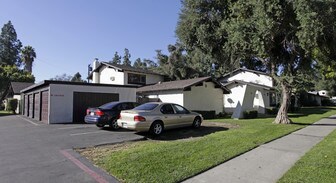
(10, 46)
(116, 59)
(126, 58)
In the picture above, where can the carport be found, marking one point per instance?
(66, 102)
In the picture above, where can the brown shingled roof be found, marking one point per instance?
(18, 86)
(178, 85)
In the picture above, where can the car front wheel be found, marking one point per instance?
(156, 128)
(113, 124)
(197, 122)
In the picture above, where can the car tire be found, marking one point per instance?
(113, 124)
(156, 128)
(197, 122)
(100, 126)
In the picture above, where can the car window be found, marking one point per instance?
(146, 107)
(109, 105)
(180, 110)
(167, 109)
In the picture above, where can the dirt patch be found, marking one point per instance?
(226, 125)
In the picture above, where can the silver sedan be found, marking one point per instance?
(156, 116)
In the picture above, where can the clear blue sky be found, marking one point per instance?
(68, 34)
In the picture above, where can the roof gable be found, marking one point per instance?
(18, 86)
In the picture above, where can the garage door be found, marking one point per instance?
(83, 100)
(31, 106)
(44, 106)
(37, 106)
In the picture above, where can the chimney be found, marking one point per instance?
(95, 76)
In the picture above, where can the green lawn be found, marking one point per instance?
(5, 113)
(173, 161)
(318, 165)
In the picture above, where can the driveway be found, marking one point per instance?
(35, 152)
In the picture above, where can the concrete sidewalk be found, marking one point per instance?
(269, 162)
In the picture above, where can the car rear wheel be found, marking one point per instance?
(156, 128)
(197, 122)
(113, 124)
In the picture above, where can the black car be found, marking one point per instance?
(107, 114)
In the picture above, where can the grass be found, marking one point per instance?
(174, 161)
(318, 165)
(5, 113)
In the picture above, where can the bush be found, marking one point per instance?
(207, 114)
(221, 115)
(12, 104)
(272, 110)
(250, 114)
(327, 102)
(2, 107)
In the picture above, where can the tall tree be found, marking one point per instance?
(138, 63)
(28, 55)
(9, 73)
(63, 77)
(116, 59)
(127, 57)
(77, 78)
(10, 46)
(281, 34)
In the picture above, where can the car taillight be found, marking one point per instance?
(119, 116)
(139, 118)
(87, 111)
(99, 113)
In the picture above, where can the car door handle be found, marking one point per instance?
(165, 117)
(180, 116)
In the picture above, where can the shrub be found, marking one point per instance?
(12, 104)
(221, 115)
(327, 102)
(2, 107)
(207, 114)
(250, 114)
(272, 110)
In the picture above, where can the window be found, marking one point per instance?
(167, 109)
(146, 107)
(136, 78)
(180, 110)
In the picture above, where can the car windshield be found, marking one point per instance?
(146, 107)
(109, 105)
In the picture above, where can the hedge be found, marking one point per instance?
(250, 114)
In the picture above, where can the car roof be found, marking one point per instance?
(160, 103)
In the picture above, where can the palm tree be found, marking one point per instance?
(28, 55)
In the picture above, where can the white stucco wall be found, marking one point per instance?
(234, 98)
(204, 98)
(246, 97)
(252, 77)
(18, 97)
(107, 75)
(61, 99)
(169, 96)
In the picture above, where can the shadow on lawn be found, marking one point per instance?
(185, 133)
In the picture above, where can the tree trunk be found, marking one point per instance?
(282, 116)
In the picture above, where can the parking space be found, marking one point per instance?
(30, 151)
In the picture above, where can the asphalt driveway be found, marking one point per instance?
(35, 152)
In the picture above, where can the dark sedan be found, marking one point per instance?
(107, 114)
